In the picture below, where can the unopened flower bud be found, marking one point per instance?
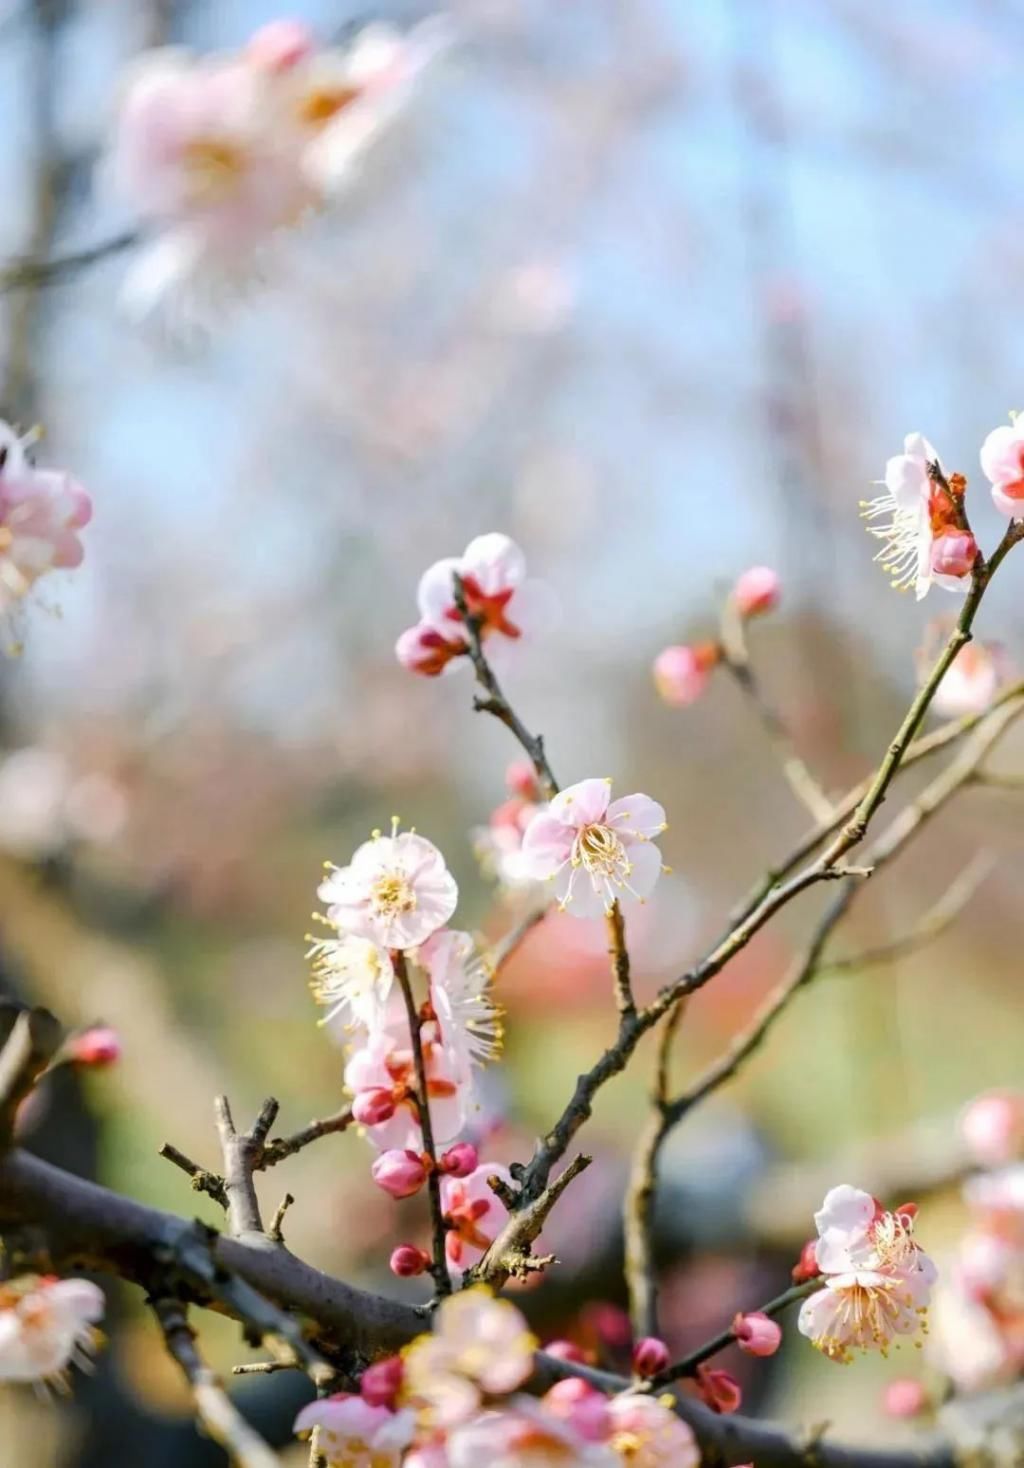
(407, 1261)
(99, 1046)
(905, 1397)
(521, 779)
(380, 1383)
(756, 591)
(993, 1128)
(806, 1267)
(650, 1356)
(400, 1173)
(372, 1107)
(720, 1389)
(460, 1160)
(757, 1334)
(422, 649)
(681, 674)
(954, 553)
(566, 1351)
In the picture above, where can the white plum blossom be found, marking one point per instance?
(1002, 460)
(354, 979)
(46, 1325)
(467, 1015)
(596, 850)
(41, 513)
(396, 891)
(479, 1346)
(354, 1434)
(877, 1278)
(914, 514)
(498, 594)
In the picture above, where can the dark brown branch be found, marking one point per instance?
(31, 1038)
(442, 1278)
(509, 1254)
(214, 1408)
(495, 702)
(278, 1148)
(619, 955)
(210, 1183)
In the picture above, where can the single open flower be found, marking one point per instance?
(910, 515)
(353, 979)
(469, 1019)
(596, 850)
(1002, 460)
(41, 513)
(645, 1433)
(47, 1325)
(354, 1434)
(479, 1346)
(396, 891)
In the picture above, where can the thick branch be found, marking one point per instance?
(242, 1151)
(214, 1408)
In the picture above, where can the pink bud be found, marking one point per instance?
(650, 1356)
(521, 779)
(905, 1397)
(280, 45)
(422, 649)
(400, 1173)
(954, 553)
(460, 1160)
(720, 1389)
(581, 1405)
(566, 1351)
(380, 1383)
(681, 674)
(757, 1334)
(610, 1323)
(407, 1261)
(99, 1046)
(756, 591)
(806, 1267)
(993, 1128)
(372, 1107)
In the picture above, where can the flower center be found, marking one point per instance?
(601, 854)
(392, 895)
(214, 166)
(321, 104)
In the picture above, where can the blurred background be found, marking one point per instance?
(656, 288)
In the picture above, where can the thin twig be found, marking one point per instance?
(264, 1368)
(619, 955)
(210, 1183)
(442, 1278)
(274, 1232)
(278, 1148)
(509, 1254)
(993, 780)
(507, 946)
(26, 273)
(687, 1365)
(496, 703)
(31, 1038)
(214, 1408)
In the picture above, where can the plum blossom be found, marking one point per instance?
(396, 891)
(914, 515)
(757, 591)
(381, 1075)
(579, 1403)
(499, 844)
(682, 674)
(905, 1397)
(46, 1324)
(719, 1389)
(401, 1173)
(645, 1433)
(1002, 460)
(41, 513)
(354, 1434)
(650, 1355)
(498, 594)
(407, 1261)
(596, 850)
(469, 1020)
(757, 1334)
(992, 1125)
(877, 1279)
(971, 682)
(473, 1213)
(523, 1435)
(480, 1346)
(353, 978)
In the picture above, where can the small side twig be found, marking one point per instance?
(274, 1232)
(28, 274)
(214, 1408)
(210, 1183)
(442, 1278)
(687, 1365)
(509, 1254)
(619, 955)
(505, 947)
(31, 1038)
(278, 1148)
(264, 1368)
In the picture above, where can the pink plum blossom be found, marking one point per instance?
(459, 1161)
(719, 1389)
(354, 1434)
(992, 1126)
(583, 1406)
(396, 891)
(498, 594)
(877, 1279)
(407, 1261)
(474, 1214)
(46, 1324)
(381, 1075)
(757, 591)
(399, 1172)
(971, 682)
(650, 1355)
(757, 1334)
(41, 513)
(596, 851)
(1002, 460)
(682, 674)
(469, 1020)
(954, 553)
(910, 513)
(98, 1047)
(905, 1397)
(480, 1346)
(647, 1434)
(522, 1434)
(380, 1382)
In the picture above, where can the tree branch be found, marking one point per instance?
(687, 1365)
(241, 1152)
(509, 1254)
(442, 1278)
(278, 1148)
(619, 955)
(31, 1038)
(26, 273)
(214, 1408)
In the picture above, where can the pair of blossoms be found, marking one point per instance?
(41, 513)
(220, 155)
(452, 1401)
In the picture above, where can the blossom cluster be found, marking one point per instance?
(220, 155)
(46, 1326)
(452, 1400)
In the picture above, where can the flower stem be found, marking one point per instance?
(687, 1365)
